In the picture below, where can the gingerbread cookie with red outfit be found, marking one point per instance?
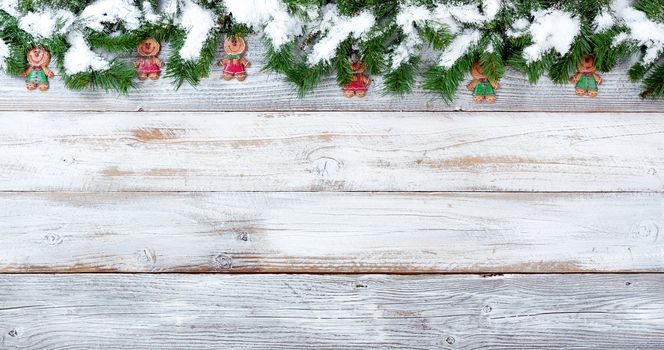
(148, 65)
(235, 64)
(359, 83)
(37, 73)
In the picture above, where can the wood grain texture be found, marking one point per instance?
(331, 232)
(323, 151)
(267, 92)
(71, 312)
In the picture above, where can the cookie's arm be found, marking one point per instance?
(598, 79)
(495, 84)
(472, 84)
(158, 62)
(245, 63)
(49, 73)
(27, 71)
(575, 78)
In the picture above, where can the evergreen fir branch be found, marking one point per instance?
(446, 81)
(342, 62)
(118, 77)
(306, 78)
(491, 61)
(437, 39)
(192, 72)
(401, 80)
(654, 84)
(654, 9)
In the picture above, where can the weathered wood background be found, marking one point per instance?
(236, 215)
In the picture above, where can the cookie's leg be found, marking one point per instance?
(31, 86)
(360, 94)
(580, 92)
(491, 99)
(142, 76)
(227, 76)
(154, 76)
(478, 98)
(349, 93)
(241, 77)
(592, 93)
(43, 87)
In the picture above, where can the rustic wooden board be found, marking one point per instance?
(267, 92)
(323, 151)
(331, 312)
(331, 232)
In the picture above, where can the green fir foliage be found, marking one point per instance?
(495, 51)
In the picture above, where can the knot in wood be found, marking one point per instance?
(223, 261)
(13, 333)
(52, 238)
(450, 340)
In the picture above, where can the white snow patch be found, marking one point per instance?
(551, 30)
(518, 28)
(47, 23)
(337, 28)
(80, 58)
(407, 18)
(280, 26)
(111, 11)
(604, 21)
(149, 13)
(197, 22)
(11, 7)
(4, 53)
(459, 47)
(642, 30)
(169, 7)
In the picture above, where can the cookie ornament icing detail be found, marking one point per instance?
(148, 65)
(234, 63)
(359, 84)
(37, 73)
(586, 78)
(483, 89)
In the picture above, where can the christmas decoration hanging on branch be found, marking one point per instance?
(406, 43)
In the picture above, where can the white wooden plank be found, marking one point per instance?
(331, 312)
(330, 232)
(267, 92)
(326, 151)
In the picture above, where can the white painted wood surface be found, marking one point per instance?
(323, 151)
(331, 312)
(367, 188)
(331, 232)
(267, 92)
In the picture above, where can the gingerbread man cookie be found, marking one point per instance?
(483, 89)
(148, 65)
(37, 73)
(235, 64)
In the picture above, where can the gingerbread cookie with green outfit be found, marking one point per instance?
(37, 73)
(483, 89)
(586, 79)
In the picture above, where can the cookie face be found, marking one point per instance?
(234, 45)
(476, 71)
(358, 67)
(588, 64)
(39, 56)
(149, 47)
